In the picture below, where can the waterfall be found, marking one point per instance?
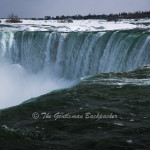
(74, 55)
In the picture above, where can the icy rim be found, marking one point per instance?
(76, 26)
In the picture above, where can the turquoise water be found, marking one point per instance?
(75, 55)
(99, 70)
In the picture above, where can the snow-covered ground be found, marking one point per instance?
(77, 25)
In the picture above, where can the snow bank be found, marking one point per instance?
(77, 25)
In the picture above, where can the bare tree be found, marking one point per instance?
(13, 19)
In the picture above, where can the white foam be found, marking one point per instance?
(118, 124)
(28, 28)
(129, 141)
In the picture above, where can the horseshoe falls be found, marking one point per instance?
(35, 63)
(90, 79)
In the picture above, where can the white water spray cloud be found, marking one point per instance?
(16, 85)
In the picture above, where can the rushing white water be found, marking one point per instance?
(75, 55)
(76, 26)
(38, 62)
(16, 85)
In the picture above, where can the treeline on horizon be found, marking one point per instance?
(124, 15)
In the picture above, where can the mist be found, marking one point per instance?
(16, 85)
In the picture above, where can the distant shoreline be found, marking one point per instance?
(123, 15)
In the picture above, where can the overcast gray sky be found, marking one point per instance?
(41, 8)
